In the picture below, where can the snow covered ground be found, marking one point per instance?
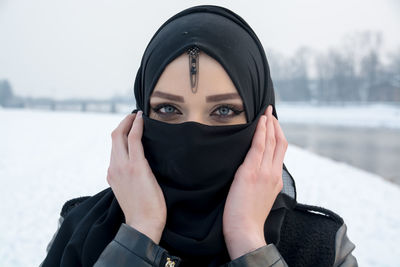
(371, 115)
(47, 158)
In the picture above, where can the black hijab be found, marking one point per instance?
(193, 163)
(224, 36)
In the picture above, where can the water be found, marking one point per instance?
(375, 150)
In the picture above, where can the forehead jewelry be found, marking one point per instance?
(194, 67)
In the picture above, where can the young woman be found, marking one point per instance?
(196, 172)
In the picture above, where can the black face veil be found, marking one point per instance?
(193, 163)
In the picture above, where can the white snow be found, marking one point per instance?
(47, 158)
(368, 115)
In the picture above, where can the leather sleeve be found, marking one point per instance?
(132, 248)
(129, 248)
(265, 256)
(343, 249)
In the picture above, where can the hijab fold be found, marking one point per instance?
(193, 163)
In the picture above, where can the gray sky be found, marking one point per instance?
(92, 48)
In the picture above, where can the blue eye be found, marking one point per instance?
(167, 109)
(224, 111)
(227, 111)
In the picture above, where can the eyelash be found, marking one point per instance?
(157, 108)
(236, 110)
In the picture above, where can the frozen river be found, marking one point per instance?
(374, 149)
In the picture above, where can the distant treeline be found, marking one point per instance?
(356, 71)
(115, 104)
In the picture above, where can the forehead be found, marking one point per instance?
(212, 78)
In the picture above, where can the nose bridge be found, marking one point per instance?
(196, 106)
(197, 115)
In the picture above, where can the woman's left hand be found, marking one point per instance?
(255, 187)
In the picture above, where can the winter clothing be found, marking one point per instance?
(308, 236)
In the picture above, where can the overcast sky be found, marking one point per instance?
(92, 48)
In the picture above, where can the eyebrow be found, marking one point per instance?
(172, 97)
(210, 98)
(216, 98)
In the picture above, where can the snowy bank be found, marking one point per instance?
(372, 115)
(47, 158)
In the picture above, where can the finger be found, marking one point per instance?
(281, 145)
(119, 147)
(269, 139)
(126, 124)
(255, 154)
(135, 146)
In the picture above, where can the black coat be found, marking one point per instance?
(304, 236)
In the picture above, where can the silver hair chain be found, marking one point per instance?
(194, 67)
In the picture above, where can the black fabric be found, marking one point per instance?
(86, 230)
(307, 238)
(70, 204)
(195, 168)
(193, 163)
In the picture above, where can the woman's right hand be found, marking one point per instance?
(133, 182)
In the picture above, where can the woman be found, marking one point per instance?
(196, 172)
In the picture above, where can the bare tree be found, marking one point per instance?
(6, 93)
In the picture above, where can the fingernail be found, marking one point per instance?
(139, 114)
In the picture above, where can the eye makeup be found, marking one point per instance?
(222, 113)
